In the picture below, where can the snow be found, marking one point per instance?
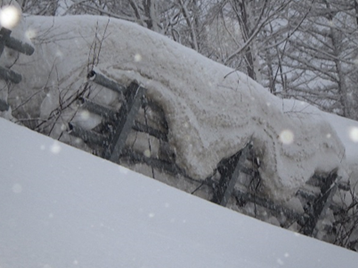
(346, 130)
(212, 111)
(62, 207)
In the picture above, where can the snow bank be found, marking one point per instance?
(60, 207)
(211, 113)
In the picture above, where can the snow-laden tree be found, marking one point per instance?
(301, 49)
(227, 31)
(231, 32)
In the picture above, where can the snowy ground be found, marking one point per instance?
(211, 114)
(61, 207)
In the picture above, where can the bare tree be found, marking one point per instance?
(253, 18)
(319, 58)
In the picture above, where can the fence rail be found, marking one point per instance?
(7, 41)
(5, 73)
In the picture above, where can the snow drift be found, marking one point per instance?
(212, 111)
(60, 207)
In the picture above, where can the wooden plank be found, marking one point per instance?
(235, 175)
(87, 136)
(4, 34)
(263, 202)
(104, 81)
(5, 40)
(169, 167)
(316, 209)
(125, 123)
(9, 75)
(230, 170)
(138, 126)
(15, 44)
(3, 106)
(106, 112)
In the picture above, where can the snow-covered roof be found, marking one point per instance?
(212, 111)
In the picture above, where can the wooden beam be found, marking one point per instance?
(3, 106)
(230, 170)
(104, 81)
(9, 75)
(87, 136)
(127, 114)
(321, 203)
(138, 126)
(106, 112)
(235, 175)
(15, 44)
(263, 202)
(4, 35)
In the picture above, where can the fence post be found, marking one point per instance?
(320, 203)
(229, 179)
(128, 111)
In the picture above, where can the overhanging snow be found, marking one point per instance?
(211, 114)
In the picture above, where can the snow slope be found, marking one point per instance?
(212, 114)
(61, 207)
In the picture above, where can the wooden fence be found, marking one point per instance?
(111, 137)
(237, 177)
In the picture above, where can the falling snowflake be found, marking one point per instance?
(137, 57)
(286, 136)
(147, 153)
(353, 134)
(9, 17)
(30, 34)
(85, 115)
(280, 262)
(55, 148)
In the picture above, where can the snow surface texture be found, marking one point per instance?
(212, 114)
(61, 207)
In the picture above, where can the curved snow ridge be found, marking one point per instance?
(212, 111)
